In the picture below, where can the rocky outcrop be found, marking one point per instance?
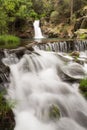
(59, 30)
(7, 121)
(4, 71)
(6, 114)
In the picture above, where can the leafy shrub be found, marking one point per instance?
(33, 14)
(9, 41)
(83, 87)
(54, 17)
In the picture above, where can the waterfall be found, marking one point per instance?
(37, 30)
(37, 85)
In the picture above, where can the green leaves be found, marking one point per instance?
(12, 10)
(3, 22)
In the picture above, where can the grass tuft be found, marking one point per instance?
(9, 41)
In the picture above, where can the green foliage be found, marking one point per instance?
(38, 6)
(33, 14)
(3, 22)
(48, 7)
(11, 11)
(81, 33)
(63, 7)
(83, 87)
(9, 41)
(14, 12)
(4, 107)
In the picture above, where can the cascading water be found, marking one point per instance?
(37, 30)
(37, 85)
(64, 46)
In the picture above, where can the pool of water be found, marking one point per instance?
(43, 40)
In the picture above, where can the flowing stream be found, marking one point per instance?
(38, 86)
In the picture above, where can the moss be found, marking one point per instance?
(83, 36)
(48, 49)
(9, 41)
(83, 87)
(54, 112)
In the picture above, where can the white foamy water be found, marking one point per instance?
(37, 30)
(36, 85)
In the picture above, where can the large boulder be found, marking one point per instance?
(73, 71)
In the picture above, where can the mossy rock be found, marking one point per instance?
(83, 87)
(83, 36)
(6, 115)
(54, 112)
(81, 33)
(75, 54)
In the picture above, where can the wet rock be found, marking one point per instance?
(73, 71)
(82, 119)
(4, 70)
(6, 115)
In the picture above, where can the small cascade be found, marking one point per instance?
(37, 30)
(44, 100)
(80, 45)
(63, 46)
